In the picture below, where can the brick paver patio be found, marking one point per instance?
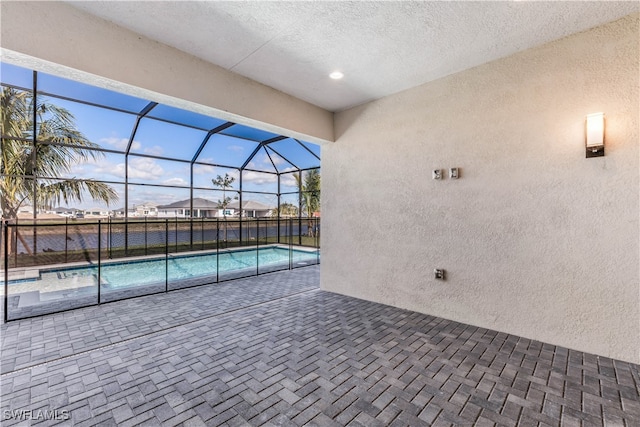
(275, 350)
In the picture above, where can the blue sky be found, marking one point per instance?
(112, 130)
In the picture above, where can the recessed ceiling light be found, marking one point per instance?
(336, 75)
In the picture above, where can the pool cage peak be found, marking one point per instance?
(163, 133)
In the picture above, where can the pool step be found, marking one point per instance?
(26, 274)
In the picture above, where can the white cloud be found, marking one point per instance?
(288, 180)
(156, 150)
(78, 169)
(144, 195)
(235, 148)
(203, 169)
(99, 169)
(144, 168)
(81, 166)
(111, 169)
(115, 170)
(259, 178)
(277, 160)
(175, 181)
(120, 143)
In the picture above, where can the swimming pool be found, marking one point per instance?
(118, 275)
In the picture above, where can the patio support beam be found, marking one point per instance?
(193, 160)
(285, 159)
(142, 113)
(240, 207)
(206, 139)
(278, 207)
(257, 149)
(306, 148)
(270, 159)
(34, 160)
(300, 208)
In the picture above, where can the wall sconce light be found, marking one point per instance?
(594, 129)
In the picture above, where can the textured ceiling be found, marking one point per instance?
(381, 47)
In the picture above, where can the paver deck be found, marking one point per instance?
(276, 350)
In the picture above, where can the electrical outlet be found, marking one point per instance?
(437, 174)
(439, 274)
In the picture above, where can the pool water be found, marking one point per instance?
(141, 272)
(179, 268)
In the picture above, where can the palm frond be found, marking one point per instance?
(72, 191)
(19, 163)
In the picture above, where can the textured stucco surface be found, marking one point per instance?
(382, 47)
(536, 239)
(76, 45)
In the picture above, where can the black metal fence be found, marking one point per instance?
(56, 266)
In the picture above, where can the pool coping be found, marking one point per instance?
(29, 304)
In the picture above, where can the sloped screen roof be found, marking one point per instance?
(150, 152)
(109, 119)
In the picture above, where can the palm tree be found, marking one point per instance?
(21, 166)
(309, 196)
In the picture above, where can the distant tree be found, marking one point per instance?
(309, 189)
(223, 182)
(287, 210)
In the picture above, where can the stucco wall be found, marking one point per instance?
(57, 38)
(536, 239)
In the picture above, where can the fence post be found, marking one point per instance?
(126, 233)
(5, 229)
(166, 255)
(99, 258)
(109, 238)
(317, 240)
(15, 245)
(145, 235)
(202, 233)
(66, 240)
(290, 243)
(257, 246)
(217, 249)
(191, 232)
(35, 240)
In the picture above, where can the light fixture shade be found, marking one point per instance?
(595, 135)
